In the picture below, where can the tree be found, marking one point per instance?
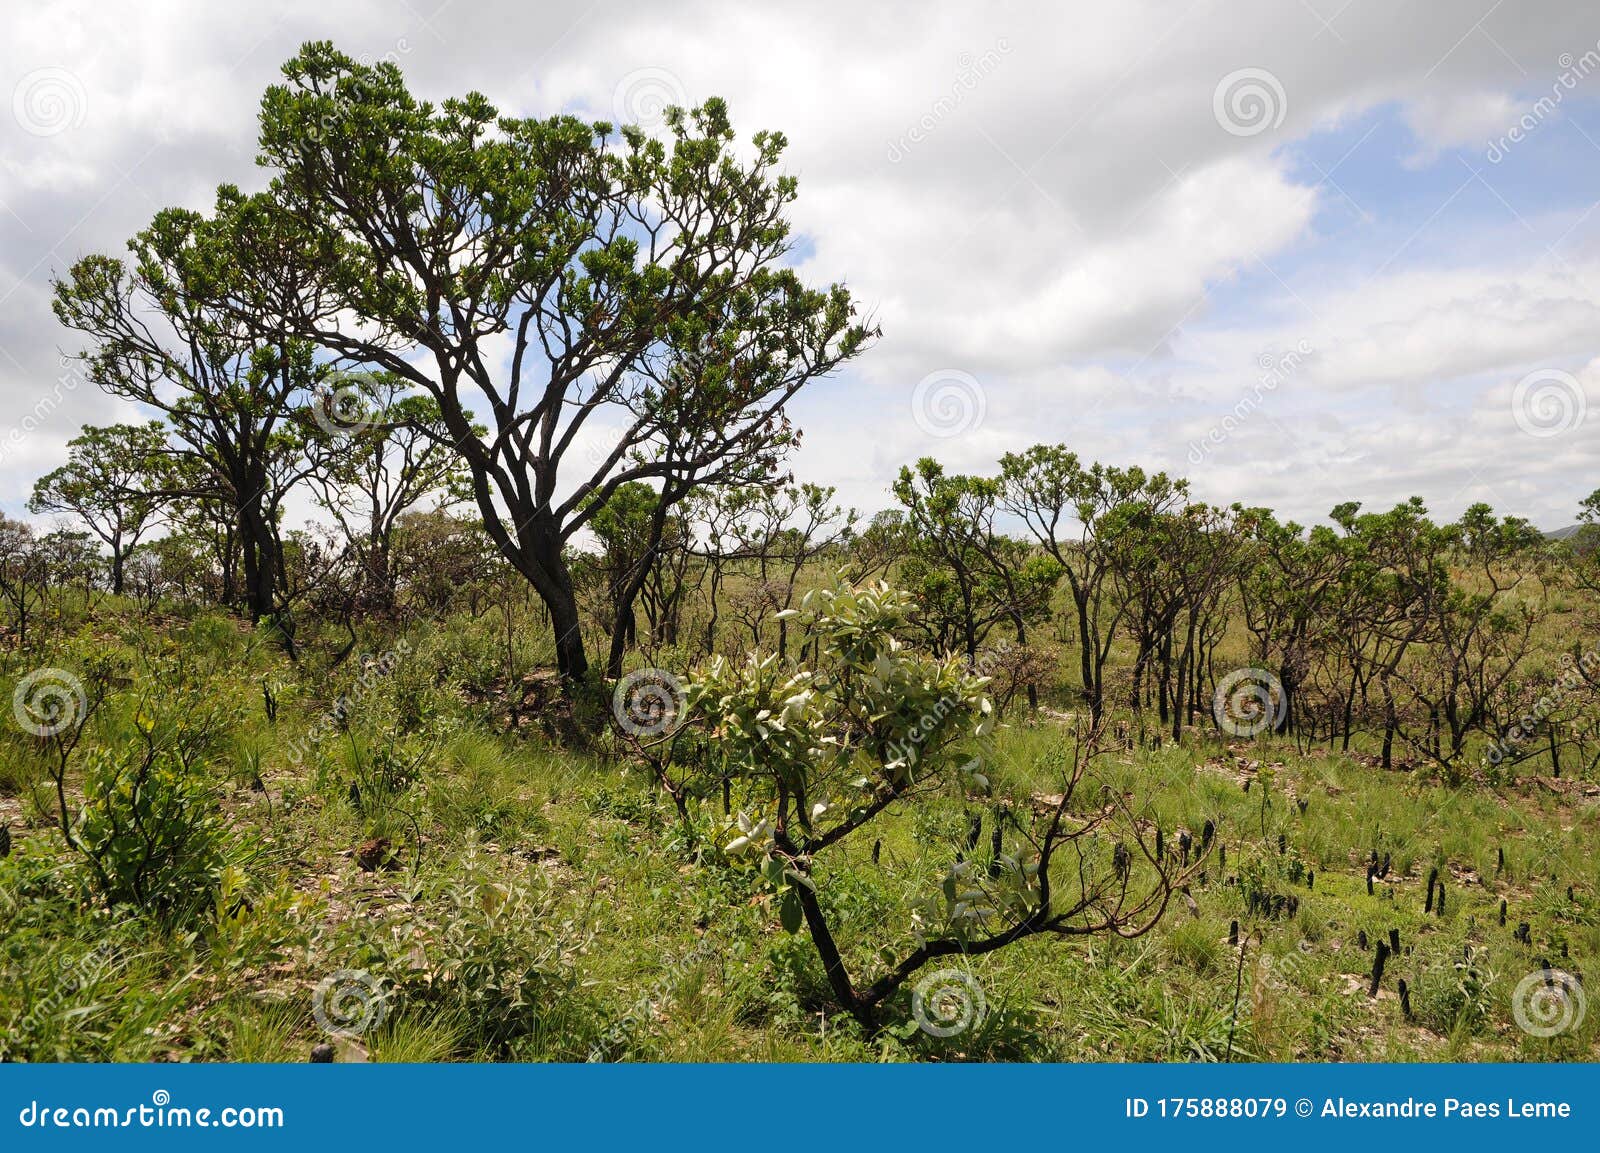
(1287, 590)
(1206, 553)
(967, 577)
(882, 544)
(376, 454)
(781, 528)
(174, 330)
(1049, 489)
(441, 560)
(631, 280)
(1407, 557)
(109, 483)
(1481, 630)
(24, 573)
(637, 532)
(874, 726)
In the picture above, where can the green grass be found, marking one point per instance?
(535, 903)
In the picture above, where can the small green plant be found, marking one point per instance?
(1452, 997)
(474, 947)
(149, 829)
(256, 926)
(819, 751)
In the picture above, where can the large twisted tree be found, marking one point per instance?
(565, 283)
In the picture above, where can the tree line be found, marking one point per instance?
(552, 358)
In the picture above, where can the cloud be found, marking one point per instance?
(1043, 199)
(1441, 121)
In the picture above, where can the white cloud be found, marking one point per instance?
(1041, 198)
(1449, 119)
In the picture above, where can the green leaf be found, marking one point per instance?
(789, 911)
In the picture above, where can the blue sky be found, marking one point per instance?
(1047, 207)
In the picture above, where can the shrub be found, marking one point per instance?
(149, 829)
(819, 751)
(480, 948)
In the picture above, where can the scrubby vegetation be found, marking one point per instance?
(226, 853)
(1057, 763)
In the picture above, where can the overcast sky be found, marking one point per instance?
(1300, 251)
